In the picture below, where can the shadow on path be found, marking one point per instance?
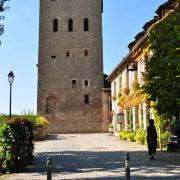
(68, 162)
(74, 157)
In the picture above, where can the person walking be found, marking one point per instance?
(151, 139)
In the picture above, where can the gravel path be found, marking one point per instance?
(97, 156)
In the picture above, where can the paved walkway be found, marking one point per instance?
(97, 156)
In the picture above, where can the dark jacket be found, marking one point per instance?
(151, 136)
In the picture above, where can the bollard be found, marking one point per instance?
(127, 166)
(49, 168)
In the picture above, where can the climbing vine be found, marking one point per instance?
(162, 82)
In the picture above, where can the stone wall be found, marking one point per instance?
(61, 103)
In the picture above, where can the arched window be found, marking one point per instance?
(86, 24)
(51, 103)
(55, 25)
(70, 25)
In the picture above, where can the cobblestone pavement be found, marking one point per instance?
(97, 156)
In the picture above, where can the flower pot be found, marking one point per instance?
(40, 133)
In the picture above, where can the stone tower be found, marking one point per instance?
(70, 65)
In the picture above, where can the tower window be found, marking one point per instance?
(70, 25)
(74, 83)
(86, 53)
(53, 57)
(86, 99)
(86, 83)
(67, 54)
(86, 24)
(55, 25)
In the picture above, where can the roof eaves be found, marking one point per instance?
(118, 67)
(162, 6)
(140, 35)
(125, 59)
(149, 23)
(131, 44)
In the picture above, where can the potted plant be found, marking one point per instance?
(110, 128)
(40, 125)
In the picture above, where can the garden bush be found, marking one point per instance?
(140, 137)
(36, 120)
(16, 144)
(122, 135)
(131, 137)
(2, 118)
(164, 138)
(127, 135)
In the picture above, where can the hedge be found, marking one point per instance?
(139, 136)
(16, 144)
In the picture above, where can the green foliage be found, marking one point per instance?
(164, 122)
(131, 137)
(136, 85)
(123, 134)
(130, 118)
(16, 140)
(16, 144)
(30, 118)
(120, 82)
(2, 8)
(2, 118)
(140, 137)
(141, 118)
(127, 135)
(162, 80)
(121, 100)
(164, 138)
(114, 98)
(41, 121)
(36, 120)
(120, 94)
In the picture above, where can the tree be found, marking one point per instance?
(162, 78)
(2, 8)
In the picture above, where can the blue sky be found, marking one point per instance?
(122, 20)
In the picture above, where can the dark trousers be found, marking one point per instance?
(151, 150)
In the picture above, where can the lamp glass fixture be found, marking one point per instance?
(11, 77)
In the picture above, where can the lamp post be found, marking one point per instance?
(132, 66)
(10, 79)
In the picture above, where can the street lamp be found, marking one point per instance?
(132, 66)
(10, 79)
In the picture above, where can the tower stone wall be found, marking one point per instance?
(70, 65)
